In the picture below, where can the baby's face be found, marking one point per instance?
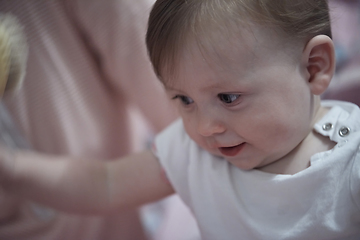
(250, 104)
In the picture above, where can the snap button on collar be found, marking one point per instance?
(327, 126)
(344, 131)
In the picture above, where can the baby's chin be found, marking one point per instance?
(241, 165)
(238, 164)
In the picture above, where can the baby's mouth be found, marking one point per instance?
(231, 151)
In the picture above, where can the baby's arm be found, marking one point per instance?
(84, 186)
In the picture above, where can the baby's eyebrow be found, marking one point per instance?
(215, 85)
(167, 88)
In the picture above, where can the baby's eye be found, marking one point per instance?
(184, 99)
(228, 98)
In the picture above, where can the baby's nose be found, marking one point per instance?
(207, 126)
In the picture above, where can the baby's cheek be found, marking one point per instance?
(191, 130)
(286, 137)
(274, 132)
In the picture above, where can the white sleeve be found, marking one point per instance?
(171, 147)
(355, 177)
(192, 171)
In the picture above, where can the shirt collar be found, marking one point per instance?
(342, 120)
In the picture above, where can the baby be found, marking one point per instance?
(255, 155)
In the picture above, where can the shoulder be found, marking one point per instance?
(185, 163)
(341, 123)
(171, 138)
(174, 148)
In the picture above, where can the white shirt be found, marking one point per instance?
(320, 202)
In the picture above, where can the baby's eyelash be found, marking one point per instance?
(184, 99)
(228, 98)
(175, 97)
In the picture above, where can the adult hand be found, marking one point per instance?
(8, 202)
(7, 166)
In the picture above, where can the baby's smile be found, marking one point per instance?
(231, 151)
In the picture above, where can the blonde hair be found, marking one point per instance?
(171, 22)
(13, 53)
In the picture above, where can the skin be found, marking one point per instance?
(253, 105)
(259, 95)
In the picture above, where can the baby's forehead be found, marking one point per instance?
(245, 44)
(226, 45)
(216, 58)
(219, 51)
(224, 53)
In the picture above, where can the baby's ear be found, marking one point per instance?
(319, 60)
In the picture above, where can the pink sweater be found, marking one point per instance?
(88, 73)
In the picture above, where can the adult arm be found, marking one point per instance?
(83, 186)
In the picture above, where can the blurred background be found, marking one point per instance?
(346, 35)
(90, 91)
